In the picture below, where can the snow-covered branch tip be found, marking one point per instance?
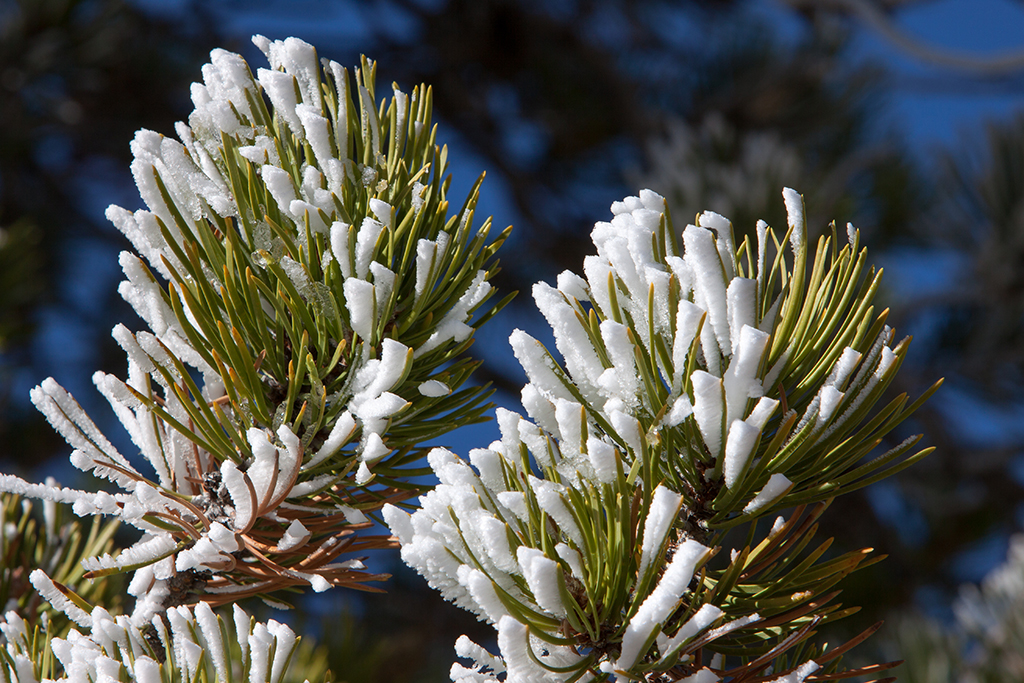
(702, 386)
(186, 645)
(310, 300)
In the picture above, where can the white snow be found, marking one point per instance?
(573, 286)
(280, 88)
(603, 457)
(571, 419)
(280, 185)
(658, 523)
(366, 245)
(316, 129)
(621, 380)
(453, 325)
(709, 280)
(550, 500)
(886, 362)
(661, 602)
(681, 409)
(263, 151)
(843, 368)
(542, 576)
(534, 359)
(434, 388)
(344, 427)
(572, 340)
(242, 495)
(724, 242)
(740, 382)
(143, 551)
(708, 400)
(652, 200)
(340, 247)
(361, 302)
(44, 585)
(739, 447)
(70, 421)
(481, 589)
(776, 487)
(374, 449)
(762, 412)
(795, 213)
(688, 317)
(798, 676)
(740, 302)
(515, 501)
(699, 622)
(628, 427)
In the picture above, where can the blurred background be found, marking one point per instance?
(904, 117)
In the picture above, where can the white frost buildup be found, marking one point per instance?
(776, 487)
(740, 381)
(144, 551)
(361, 302)
(700, 621)
(739, 446)
(481, 590)
(542, 576)
(42, 583)
(660, 519)
(708, 400)
(795, 211)
(763, 410)
(798, 676)
(844, 368)
(660, 604)
(242, 493)
(603, 458)
(295, 536)
(709, 283)
(344, 427)
(434, 389)
(538, 365)
(703, 676)
(552, 502)
(640, 375)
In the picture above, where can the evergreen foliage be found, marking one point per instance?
(703, 388)
(310, 296)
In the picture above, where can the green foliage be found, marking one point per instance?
(199, 647)
(56, 545)
(703, 388)
(311, 334)
(283, 342)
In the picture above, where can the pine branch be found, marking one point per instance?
(311, 298)
(702, 388)
(57, 546)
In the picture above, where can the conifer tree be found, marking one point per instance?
(311, 295)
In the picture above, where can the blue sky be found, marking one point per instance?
(927, 105)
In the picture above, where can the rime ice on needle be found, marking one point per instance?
(112, 648)
(697, 383)
(293, 326)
